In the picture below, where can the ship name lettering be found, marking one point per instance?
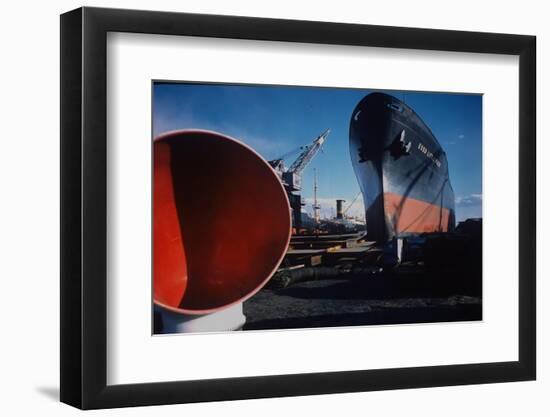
(422, 148)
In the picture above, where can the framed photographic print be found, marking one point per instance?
(258, 207)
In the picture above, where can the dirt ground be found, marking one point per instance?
(351, 300)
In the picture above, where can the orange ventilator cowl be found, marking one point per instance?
(221, 221)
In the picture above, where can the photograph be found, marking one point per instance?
(291, 205)
(298, 207)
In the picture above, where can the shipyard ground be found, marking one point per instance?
(343, 280)
(358, 300)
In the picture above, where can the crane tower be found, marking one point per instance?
(292, 177)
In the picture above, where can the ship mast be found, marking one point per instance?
(316, 206)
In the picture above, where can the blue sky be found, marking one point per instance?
(275, 120)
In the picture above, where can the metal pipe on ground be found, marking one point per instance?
(288, 277)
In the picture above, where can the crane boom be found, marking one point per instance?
(351, 204)
(307, 155)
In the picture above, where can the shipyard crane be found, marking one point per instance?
(351, 204)
(309, 152)
(292, 177)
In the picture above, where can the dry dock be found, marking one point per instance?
(344, 280)
(345, 302)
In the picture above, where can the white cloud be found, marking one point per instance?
(469, 200)
(461, 136)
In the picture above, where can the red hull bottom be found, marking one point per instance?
(408, 215)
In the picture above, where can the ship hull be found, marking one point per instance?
(401, 169)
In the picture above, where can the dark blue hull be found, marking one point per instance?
(401, 169)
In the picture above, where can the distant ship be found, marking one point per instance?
(401, 169)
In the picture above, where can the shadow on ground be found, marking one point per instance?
(50, 392)
(352, 300)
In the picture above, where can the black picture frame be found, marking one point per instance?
(84, 207)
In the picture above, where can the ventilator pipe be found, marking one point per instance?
(221, 222)
(228, 319)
